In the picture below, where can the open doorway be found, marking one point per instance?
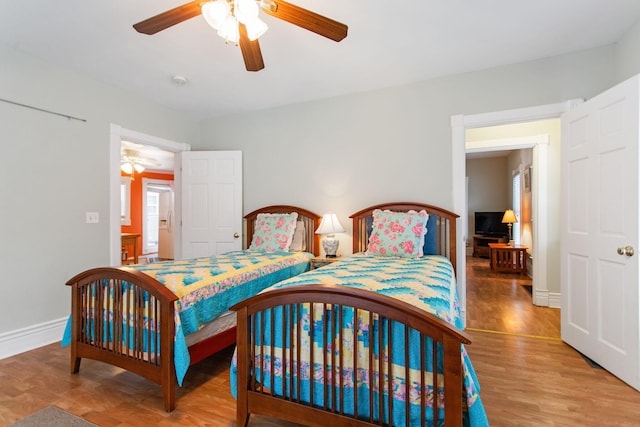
(500, 161)
(545, 175)
(119, 134)
(521, 144)
(147, 205)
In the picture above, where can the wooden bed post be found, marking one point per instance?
(453, 374)
(243, 364)
(75, 330)
(168, 367)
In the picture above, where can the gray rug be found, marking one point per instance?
(52, 417)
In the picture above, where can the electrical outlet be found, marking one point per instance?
(93, 217)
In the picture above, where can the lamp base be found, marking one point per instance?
(330, 246)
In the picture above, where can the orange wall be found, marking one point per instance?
(136, 204)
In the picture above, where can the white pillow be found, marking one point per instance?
(299, 242)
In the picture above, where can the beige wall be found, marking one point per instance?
(488, 188)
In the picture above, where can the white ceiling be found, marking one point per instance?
(152, 158)
(389, 43)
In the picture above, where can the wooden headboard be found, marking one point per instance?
(310, 219)
(445, 228)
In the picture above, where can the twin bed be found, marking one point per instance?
(353, 343)
(154, 319)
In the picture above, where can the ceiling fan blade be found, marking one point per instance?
(169, 18)
(250, 51)
(306, 19)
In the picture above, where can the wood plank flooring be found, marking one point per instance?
(528, 376)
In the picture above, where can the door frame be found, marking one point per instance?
(117, 134)
(459, 124)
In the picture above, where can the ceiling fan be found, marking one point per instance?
(236, 21)
(131, 162)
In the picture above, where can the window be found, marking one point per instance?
(125, 200)
(516, 207)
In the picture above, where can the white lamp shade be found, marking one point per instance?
(126, 168)
(246, 10)
(229, 29)
(330, 225)
(256, 27)
(215, 12)
(138, 167)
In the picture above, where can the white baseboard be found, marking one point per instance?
(21, 340)
(555, 300)
(541, 297)
(547, 299)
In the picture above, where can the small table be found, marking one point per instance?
(509, 258)
(130, 239)
(320, 261)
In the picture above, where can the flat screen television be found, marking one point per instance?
(490, 224)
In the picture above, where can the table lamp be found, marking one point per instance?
(328, 227)
(509, 218)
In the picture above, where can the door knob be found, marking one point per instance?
(627, 250)
(236, 235)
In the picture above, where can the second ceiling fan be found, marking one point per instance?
(237, 21)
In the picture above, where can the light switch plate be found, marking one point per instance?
(93, 217)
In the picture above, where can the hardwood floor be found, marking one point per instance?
(502, 302)
(528, 376)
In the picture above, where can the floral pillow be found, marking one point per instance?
(273, 232)
(398, 233)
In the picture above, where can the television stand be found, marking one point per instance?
(481, 247)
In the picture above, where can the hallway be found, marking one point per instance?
(501, 302)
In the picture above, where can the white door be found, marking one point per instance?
(211, 205)
(600, 230)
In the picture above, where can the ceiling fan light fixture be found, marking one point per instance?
(138, 167)
(255, 28)
(269, 5)
(229, 30)
(246, 10)
(126, 168)
(215, 12)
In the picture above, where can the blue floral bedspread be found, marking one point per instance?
(427, 283)
(207, 287)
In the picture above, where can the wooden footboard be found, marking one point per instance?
(337, 365)
(125, 318)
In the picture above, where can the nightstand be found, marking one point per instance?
(319, 261)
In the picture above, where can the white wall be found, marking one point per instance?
(388, 145)
(627, 57)
(52, 171)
